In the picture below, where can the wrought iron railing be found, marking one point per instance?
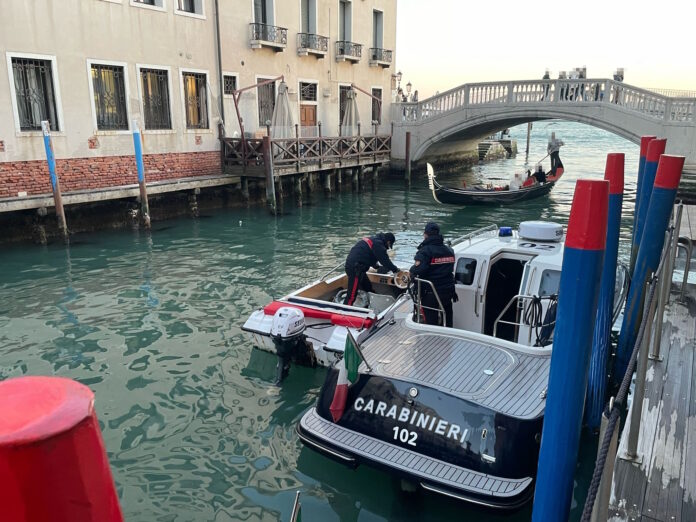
(311, 41)
(348, 49)
(588, 91)
(268, 33)
(380, 55)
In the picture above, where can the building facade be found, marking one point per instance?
(97, 68)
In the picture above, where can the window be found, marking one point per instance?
(195, 100)
(308, 22)
(155, 92)
(109, 91)
(464, 273)
(194, 7)
(377, 106)
(263, 12)
(343, 91)
(308, 92)
(155, 4)
(34, 93)
(344, 20)
(377, 29)
(230, 84)
(266, 98)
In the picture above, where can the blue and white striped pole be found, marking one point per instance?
(597, 379)
(650, 248)
(655, 148)
(138, 145)
(55, 182)
(577, 309)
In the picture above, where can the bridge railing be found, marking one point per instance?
(587, 91)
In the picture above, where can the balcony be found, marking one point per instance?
(270, 36)
(380, 57)
(348, 52)
(308, 43)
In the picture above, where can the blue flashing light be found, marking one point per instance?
(505, 232)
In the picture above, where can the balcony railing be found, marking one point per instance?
(263, 35)
(308, 43)
(380, 57)
(348, 51)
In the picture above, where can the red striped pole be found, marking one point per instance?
(53, 465)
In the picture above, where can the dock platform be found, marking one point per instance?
(661, 487)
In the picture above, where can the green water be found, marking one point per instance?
(194, 428)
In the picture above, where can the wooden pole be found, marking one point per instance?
(408, 157)
(55, 183)
(529, 132)
(144, 205)
(270, 180)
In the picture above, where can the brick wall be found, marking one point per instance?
(102, 172)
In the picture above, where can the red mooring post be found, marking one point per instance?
(53, 464)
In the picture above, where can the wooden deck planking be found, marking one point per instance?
(663, 487)
(688, 222)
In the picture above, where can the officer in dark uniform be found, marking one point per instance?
(434, 262)
(366, 253)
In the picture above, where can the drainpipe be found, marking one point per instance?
(221, 78)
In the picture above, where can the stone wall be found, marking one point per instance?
(103, 172)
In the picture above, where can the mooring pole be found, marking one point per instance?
(270, 179)
(655, 148)
(138, 145)
(408, 157)
(53, 464)
(55, 183)
(577, 308)
(658, 212)
(597, 379)
(644, 142)
(601, 505)
(529, 132)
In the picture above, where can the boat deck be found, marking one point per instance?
(502, 379)
(662, 487)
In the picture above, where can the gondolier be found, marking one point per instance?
(553, 149)
(367, 252)
(434, 262)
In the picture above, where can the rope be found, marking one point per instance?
(614, 414)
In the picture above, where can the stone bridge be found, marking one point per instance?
(471, 112)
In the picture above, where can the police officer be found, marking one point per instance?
(366, 253)
(434, 262)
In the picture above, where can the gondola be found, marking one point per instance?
(496, 195)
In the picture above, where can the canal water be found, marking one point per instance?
(194, 427)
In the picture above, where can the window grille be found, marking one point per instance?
(266, 94)
(230, 84)
(155, 89)
(109, 97)
(34, 92)
(195, 98)
(308, 91)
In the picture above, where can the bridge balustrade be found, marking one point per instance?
(539, 92)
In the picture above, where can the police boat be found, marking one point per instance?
(309, 326)
(458, 410)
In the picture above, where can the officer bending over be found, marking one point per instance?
(366, 253)
(434, 262)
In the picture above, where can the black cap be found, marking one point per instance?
(390, 239)
(432, 228)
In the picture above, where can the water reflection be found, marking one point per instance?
(194, 427)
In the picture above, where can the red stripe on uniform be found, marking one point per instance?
(441, 260)
(351, 299)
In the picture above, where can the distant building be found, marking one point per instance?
(94, 67)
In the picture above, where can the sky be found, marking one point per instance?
(444, 43)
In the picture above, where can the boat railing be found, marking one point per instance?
(519, 322)
(471, 235)
(419, 305)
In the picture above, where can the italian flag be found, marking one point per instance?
(347, 375)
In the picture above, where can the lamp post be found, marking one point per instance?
(408, 91)
(399, 75)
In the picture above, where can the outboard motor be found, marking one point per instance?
(287, 334)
